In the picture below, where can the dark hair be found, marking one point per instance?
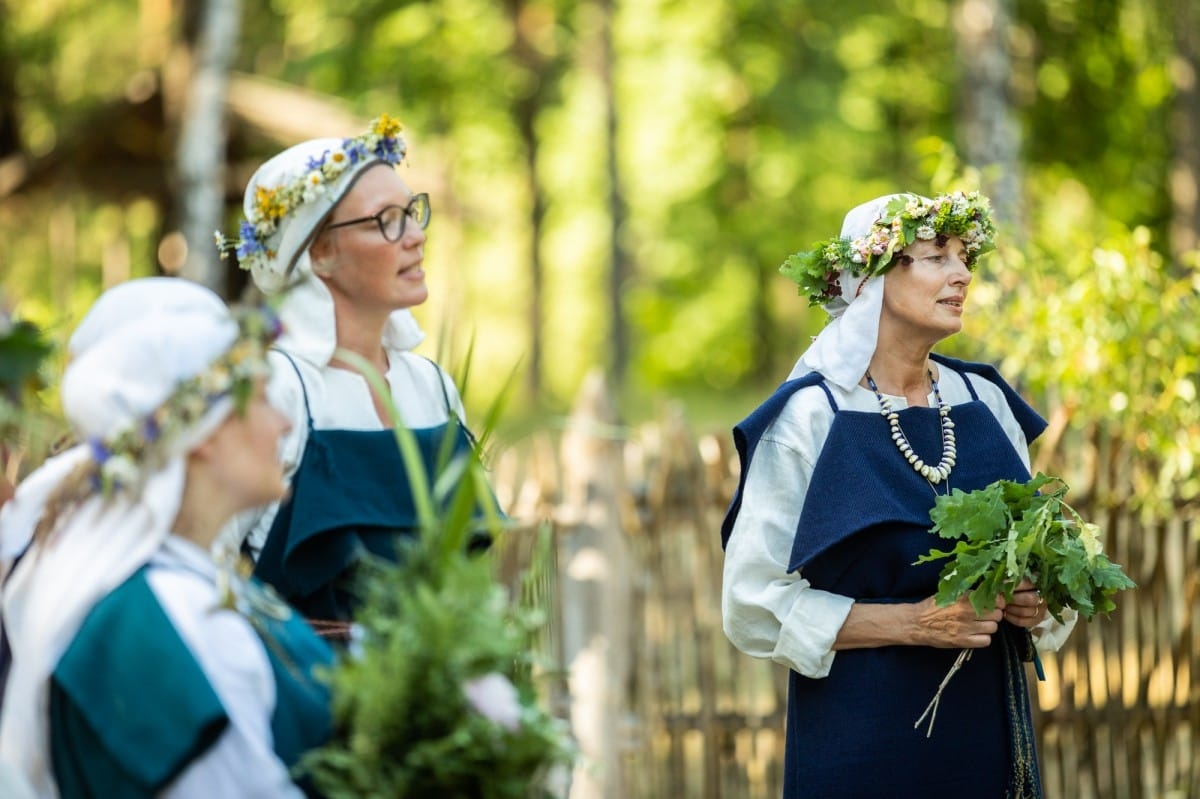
(904, 259)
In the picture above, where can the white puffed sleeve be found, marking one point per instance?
(767, 611)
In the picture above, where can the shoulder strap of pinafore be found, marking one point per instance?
(303, 388)
(451, 412)
(442, 382)
(748, 432)
(1031, 422)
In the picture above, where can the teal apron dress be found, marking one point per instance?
(130, 708)
(350, 496)
(864, 522)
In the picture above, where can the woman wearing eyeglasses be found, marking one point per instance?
(333, 228)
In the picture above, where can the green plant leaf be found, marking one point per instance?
(1010, 531)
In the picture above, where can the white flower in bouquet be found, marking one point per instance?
(494, 697)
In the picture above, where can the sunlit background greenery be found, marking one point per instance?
(742, 130)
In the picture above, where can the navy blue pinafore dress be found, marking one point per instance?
(865, 521)
(350, 497)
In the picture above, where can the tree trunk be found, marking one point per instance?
(596, 593)
(619, 261)
(991, 139)
(1184, 181)
(200, 152)
(10, 140)
(526, 54)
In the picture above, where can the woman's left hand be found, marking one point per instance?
(1026, 608)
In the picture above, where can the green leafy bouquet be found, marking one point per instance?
(436, 695)
(25, 429)
(1008, 532)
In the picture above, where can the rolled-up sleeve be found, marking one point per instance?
(767, 611)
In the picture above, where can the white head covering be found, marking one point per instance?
(120, 305)
(842, 350)
(134, 299)
(307, 310)
(119, 380)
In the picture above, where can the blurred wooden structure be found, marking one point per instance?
(125, 150)
(1117, 717)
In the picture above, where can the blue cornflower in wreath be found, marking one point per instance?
(121, 460)
(317, 187)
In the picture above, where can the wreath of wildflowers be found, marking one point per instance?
(272, 204)
(905, 220)
(120, 459)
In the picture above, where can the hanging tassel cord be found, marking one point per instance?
(932, 708)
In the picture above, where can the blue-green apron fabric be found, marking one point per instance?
(350, 495)
(130, 707)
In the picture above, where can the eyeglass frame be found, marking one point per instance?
(377, 217)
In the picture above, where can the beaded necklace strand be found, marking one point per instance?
(932, 474)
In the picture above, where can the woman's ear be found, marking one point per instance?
(202, 451)
(322, 255)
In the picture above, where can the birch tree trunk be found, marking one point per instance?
(200, 152)
(991, 138)
(596, 592)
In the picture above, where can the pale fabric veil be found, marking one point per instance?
(842, 350)
(111, 385)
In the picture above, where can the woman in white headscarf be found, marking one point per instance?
(334, 223)
(124, 303)
(840, 469)
(120, 305)
(140, 667)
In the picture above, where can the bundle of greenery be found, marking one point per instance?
(1010, 531)
(25, 429)
(436, 694)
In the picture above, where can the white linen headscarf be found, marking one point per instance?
(116, 382)
(842, 350)
(307, 311)
(124, 303)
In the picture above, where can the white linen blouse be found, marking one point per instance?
(242, 762)
(771, 613)
(341, 399)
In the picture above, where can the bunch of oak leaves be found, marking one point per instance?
(1012, 531)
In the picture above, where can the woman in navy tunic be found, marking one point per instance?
(332, 228)
(840, 469)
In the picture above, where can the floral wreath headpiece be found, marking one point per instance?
(120, 460)
(272, 204)
(905, 220)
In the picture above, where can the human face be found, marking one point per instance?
(924, 295)
(245, 451)
(366, 273)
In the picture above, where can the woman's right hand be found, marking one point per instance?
(957, 626)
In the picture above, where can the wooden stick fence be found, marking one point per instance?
(665, 707)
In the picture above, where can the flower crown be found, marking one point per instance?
(382, 141)
(905, 220)
(119, 459)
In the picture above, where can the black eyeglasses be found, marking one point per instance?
(391, 220)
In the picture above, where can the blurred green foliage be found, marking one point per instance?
(744, 130)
